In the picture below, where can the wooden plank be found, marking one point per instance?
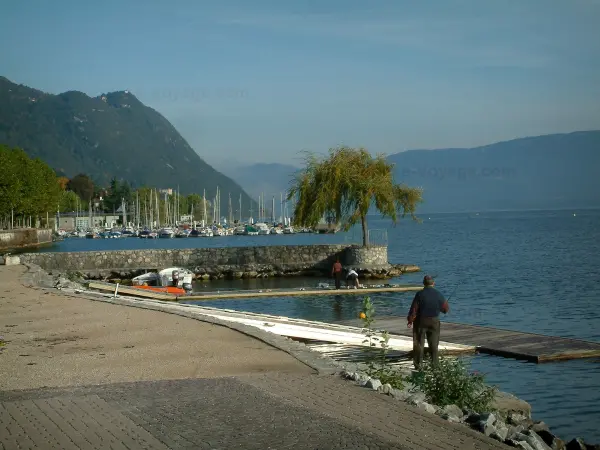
(110, 287)
(297, 292)
(495, 341)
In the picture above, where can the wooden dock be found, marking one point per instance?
(243, 294)
(531, 347)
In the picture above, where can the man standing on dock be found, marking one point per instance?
(336, 272)
(424, 314)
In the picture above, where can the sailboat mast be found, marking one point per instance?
(240, 208)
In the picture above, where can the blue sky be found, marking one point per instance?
(259, 81)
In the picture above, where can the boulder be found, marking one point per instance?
(451, 413)
(399, 394)
(508, 405)
(11, 260)
(536, 442)
(385, 389)
(576, 444)
(373, 383)
(551, 441)
(499, 432)
(426, 407)
(415, 398)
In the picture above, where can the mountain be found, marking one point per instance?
(262, 178)
(113, 134)
(544, 172)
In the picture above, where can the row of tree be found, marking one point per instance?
(29, 188)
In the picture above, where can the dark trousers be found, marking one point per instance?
(426, 327)
(338, 279)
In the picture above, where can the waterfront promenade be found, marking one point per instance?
(76, 373)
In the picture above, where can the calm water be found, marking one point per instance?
(532, 271)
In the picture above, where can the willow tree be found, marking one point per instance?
(345, 185)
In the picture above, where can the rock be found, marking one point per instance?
(539, 426)
(576, 444)
(400, 395)
(487, 418)
(237, 275)
(373, 384)
(536, 442)
(518, 418)
(415, 398)
(11, 260)
(499, 432)
(551, 441)
(362, 379)
(506, 404)
(452, 410)
(518, 444)
(472, 418)
(385, 389)
(426, 407)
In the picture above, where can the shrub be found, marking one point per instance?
(452, 383)
(376, 353)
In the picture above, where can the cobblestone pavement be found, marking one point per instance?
(263, 411)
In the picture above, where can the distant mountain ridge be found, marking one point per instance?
(554, 171)
(113, 134)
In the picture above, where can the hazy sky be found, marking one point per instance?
(260, 80)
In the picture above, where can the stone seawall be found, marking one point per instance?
(26, 237)
(225, 262)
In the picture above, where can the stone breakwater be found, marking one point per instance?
(27, 237)
(510, 422)
(224, 262)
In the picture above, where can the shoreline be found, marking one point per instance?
(517, 414)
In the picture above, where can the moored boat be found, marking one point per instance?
(172, 280)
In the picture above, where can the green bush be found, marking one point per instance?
(376, 353)
(451, 383)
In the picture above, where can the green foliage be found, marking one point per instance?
(69, 201)
(376, 353)
(346, 185)
(83, 186)
(451, 383)
(28, 187)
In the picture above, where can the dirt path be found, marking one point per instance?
(54, 340)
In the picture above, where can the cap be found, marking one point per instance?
(427, 280)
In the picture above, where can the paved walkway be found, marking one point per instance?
(188, 399)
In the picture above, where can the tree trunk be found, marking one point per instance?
(365, 233)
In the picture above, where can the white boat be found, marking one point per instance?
(239, 231)
(164, 278)
(206, 232)
(263, 229)
(166, 233)
(288, 230)
(276, 230)
(218, 231)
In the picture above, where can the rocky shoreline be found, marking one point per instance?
(511, 423)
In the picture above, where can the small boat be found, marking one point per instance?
(206, 232)
(173, 280)
(239, 231)
(251, 231)
(288, 230)
(263, 229)
(276, 230)
(166, 233)
(194, 233)
(183, 234)
(218, 231)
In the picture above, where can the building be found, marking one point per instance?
(73, 221)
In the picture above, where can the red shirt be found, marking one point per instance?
(337, 267)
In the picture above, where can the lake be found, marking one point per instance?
(535, 271)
